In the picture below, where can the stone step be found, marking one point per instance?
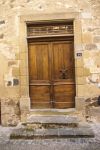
(54, 119)
(51, 121)
(52, 112)
(80, 132)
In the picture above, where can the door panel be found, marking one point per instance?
(63, 74)
(38, 61)
(64, 94)
(63, 60)
(51, 75)
(62, 105)
(68, 88)
(40, 96)
(39, 87)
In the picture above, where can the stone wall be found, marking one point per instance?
(91, 30)
(10, 111)
(88, 72)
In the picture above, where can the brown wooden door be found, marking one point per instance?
(63, 74)
(51, 74)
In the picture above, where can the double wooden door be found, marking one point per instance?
(51, 74)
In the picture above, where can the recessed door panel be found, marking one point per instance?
(63, 61)
(39, 75)
(39, 61)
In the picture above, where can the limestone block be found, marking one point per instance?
(86, 15)
(86, 54)
(93, 90)
(78, 32)
(7, 51)
(13, 91)
(95, 70)
(17, 56)
(2, 90)
(89, 62)
(24, 71)
(24, 90)
(90, 46)
(79, 62)
(10, 111)
(98, 46)
(97, 39)
(87, 25)
(97, 59)
(80, 103)
(24, 81)
(3, 68)
(79, 47)
(24, 103)
(23, 55)
(23, 63)
(79, 72)
(86, 72)
(15, 71)
(87, 38)
(81, 90)
(24, 107)
(80, 80)
(96, 31)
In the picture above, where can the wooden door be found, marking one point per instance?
(63, 74)
(51, 74)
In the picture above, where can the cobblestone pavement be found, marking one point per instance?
(49, 144)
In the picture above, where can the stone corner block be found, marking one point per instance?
(24, 107)
(80, 103)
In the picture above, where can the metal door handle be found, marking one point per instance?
(63, 73)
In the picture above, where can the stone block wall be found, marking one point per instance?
(88, 66)
(10, 112)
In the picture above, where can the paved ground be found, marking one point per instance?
(52, 144)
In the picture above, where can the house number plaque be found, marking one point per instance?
(79, 54)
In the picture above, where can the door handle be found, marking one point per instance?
(64, 73)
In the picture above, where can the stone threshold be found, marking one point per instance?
(80, 132)
(53, 119)
(53, 110)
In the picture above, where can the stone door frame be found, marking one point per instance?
(23, 46)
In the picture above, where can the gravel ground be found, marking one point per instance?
(50, 144)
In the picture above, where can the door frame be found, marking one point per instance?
(23, 46)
